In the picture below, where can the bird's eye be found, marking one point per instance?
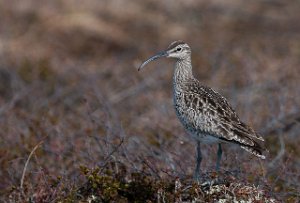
(178, 49)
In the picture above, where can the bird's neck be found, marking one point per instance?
(183, 71)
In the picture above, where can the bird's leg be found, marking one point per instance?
(219, 155)
(198, 162)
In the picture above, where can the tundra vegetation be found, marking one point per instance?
(80, 124)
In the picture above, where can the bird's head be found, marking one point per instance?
(178, 50)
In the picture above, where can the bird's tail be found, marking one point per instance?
(256, 150)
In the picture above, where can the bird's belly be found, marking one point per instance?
(197, 123)
(206, 138)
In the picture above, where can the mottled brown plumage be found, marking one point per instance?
(206, 114)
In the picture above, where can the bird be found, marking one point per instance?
(205, 114)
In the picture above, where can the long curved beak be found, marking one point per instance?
(156, 56)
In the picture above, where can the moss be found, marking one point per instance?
(106, 186)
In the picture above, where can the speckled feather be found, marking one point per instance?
(206, 114)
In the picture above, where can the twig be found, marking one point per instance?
(155, 172)
(111, 153)
(26, 164)
(282, 124)
(279, 154)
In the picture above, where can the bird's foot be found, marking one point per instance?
(217, 168)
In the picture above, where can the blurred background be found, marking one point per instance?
(68, 77)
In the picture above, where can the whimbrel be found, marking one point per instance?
(205, 113)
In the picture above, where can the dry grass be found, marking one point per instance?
(68, 77)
